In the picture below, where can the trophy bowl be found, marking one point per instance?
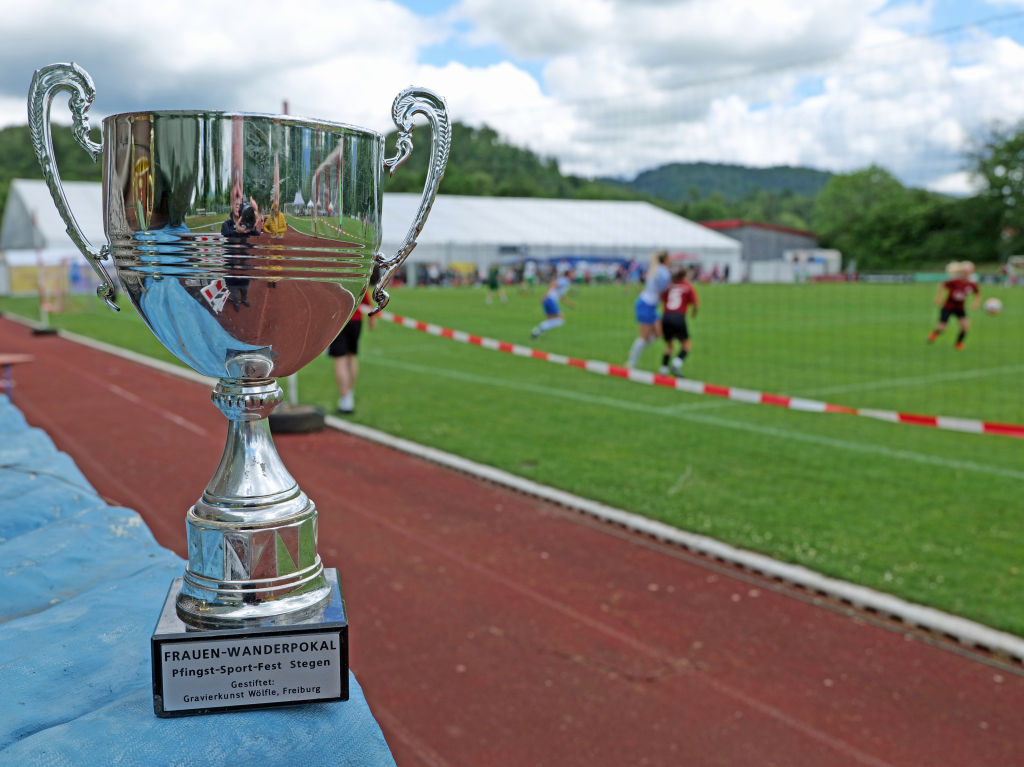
(245, 243)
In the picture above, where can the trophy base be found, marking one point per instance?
(269, 662)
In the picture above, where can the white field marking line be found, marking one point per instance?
(760, 327)
(770, 431)
(966, 631)
(682, 479)
(962, 375)
(862, 597)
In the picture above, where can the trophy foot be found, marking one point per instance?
(206, 603)
(246, 572)
(252, 535)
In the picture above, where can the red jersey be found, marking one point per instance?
(359, 309)
(678, 297)
(958, 289)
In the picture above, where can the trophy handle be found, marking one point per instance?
(46, 83)
(410, 102)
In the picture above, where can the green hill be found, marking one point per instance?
(482, 164)
(683, 181)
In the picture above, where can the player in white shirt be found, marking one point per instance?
(556, 292)
(658, 279)
(529, 277)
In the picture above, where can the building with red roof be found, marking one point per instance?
(764, 242)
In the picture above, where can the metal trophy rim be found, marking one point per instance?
(294, 120)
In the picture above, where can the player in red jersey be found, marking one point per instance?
(677, 298)
(957, 288)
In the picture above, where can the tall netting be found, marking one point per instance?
(843, 277)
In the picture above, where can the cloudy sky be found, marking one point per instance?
(606, 86)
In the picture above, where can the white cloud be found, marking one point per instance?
(960, 184)
(342, 61)
(641, 82)
(626, 84)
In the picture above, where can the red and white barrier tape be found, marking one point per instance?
(749, 396)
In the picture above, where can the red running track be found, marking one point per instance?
(489, 628)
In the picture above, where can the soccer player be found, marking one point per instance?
(494, 286)
(345, 348)
(679, 297)
(556, 292)
(658, 279)
(529, 276)
(953, 304)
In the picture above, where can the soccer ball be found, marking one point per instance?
(993, 306)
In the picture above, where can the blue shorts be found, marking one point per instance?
(551, 307)
(645, 313)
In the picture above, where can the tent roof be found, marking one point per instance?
(454, 220)
(464, 220)
(26, 197)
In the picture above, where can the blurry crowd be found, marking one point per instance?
(529, 271)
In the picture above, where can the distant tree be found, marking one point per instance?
(998, 162)
(786, 208)
(872, 218)
(710, 208)
(18, 160)
(480, 163)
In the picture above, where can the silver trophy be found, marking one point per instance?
(245, 243)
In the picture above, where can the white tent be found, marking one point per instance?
(32, 231)
(483, 230)
(31, 221)
(480, 230)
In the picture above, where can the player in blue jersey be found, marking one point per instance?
(556, 292)
(658, 279)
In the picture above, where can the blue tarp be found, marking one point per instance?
(81, 585)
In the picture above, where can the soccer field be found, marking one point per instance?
(931, 516)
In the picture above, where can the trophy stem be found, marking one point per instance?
(252, 535)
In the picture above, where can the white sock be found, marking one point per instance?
(636, 350)
(347, 402)
(554, 322)
(677, 364)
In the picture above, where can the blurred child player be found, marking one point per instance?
(494, 286)
(957, 288)
(679, 297)
(556, 292)
(345, 348)
(658, 279)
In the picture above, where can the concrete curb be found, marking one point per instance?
(965, 631)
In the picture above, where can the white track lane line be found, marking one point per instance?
(768, 431)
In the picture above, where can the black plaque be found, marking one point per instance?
(270, 663)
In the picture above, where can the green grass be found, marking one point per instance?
(930, 516)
